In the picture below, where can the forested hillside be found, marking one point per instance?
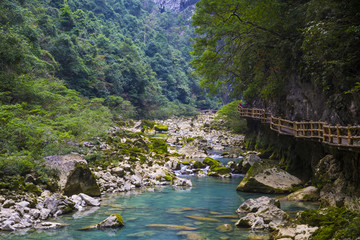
(298, 59)
(70, 68)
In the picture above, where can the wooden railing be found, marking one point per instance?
(346, 136)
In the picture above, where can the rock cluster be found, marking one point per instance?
(296, 232)
(24, 214)
(125, 177)
(204, 138)
(261, 213)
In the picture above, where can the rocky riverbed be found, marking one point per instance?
(129, 159)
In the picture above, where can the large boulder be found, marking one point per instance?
(265, 178)
(329, 174)
(74, 175)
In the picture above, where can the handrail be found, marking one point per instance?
(342, 136)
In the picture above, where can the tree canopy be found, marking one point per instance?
(254, 48)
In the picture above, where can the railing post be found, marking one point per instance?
(329, 132)
(338, 134)
(311, 129)
(349, 135)
(324, 132)
(279, 125)
(295, 128)
(303, 129)
(271, 122)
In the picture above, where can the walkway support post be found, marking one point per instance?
(338, 134)
(349, 135)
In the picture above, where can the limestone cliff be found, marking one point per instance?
(303, 101)
(176, 5)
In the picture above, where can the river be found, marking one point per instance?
(212, 198)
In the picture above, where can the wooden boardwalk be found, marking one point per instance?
(341, 136)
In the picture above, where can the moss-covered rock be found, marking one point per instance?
(198, 164)
(213, 163)
(147, 124)
(158, 146)
(334, 223)
(222, 170)
(309, 193)
(113, 221)
(265, 178)
(161, 128)
(33, 189)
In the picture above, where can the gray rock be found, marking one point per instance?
(298, 232)
(118, 171)
(34, 213)
(329, 172)
(248, 161)
(113, 221)
(44, 213)
(310, 193)
(74, 175)
(90, 200)
(49, 225)
(7, 225)
(253, 205)
(24, 204)
(8, 203)
(182, 182)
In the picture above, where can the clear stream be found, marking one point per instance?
(209, 197)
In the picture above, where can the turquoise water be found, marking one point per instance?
(213, 198)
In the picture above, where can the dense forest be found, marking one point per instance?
(270, 52)
(68, 69)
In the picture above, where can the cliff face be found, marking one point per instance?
(303, 101)
(176, 5)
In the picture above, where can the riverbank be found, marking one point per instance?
(141, 156)
(126, 160)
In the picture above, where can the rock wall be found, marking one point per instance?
(336, 171)
(176, 5)
(305, 101)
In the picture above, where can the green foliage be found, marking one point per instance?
(228, 113)
(253, 49)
